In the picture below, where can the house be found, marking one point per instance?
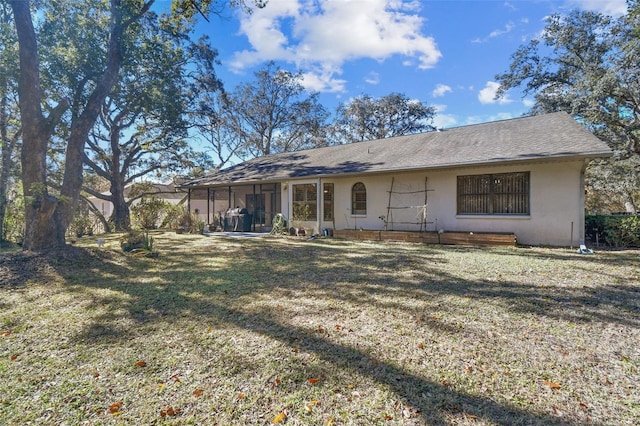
(523, 176)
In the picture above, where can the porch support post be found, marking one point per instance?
(208, 206)
(189, 200)
(253, 214)
(229, 196)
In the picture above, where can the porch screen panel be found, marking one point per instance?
(327, 207)
(499, 194)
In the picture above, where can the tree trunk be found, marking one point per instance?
(80, 128)
(121, 216)
(48, 218)
(6, 153)
(42, 229)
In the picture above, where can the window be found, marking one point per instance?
(359, 199)
(327, 199)
(499, 194)
(305, 202)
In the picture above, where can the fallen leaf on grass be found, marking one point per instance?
(115, 407)
(309, 405)
(330, 422)
(6, 333)
(14, 357)
(279, 418)
(276, 382)
(552, 385)
(313, 380)
(241, 395)
(141, 364)
(198, 392)
(169, 411)
(388, 417)
(176, 378)
(420, 345)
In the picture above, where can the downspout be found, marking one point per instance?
(581, 214)
(319, 204)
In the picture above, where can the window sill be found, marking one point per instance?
(495, 216)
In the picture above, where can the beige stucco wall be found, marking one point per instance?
(556, 199)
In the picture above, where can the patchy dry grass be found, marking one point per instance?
(244, 331)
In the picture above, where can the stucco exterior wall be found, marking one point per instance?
(556, 203)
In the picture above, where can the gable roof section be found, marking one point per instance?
(542, 137)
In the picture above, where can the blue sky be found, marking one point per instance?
(443, 53)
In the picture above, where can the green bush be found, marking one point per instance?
(13, 229)
(82, 223)
(183, 220)
(615, 231)
(132, 240)
(148, 213)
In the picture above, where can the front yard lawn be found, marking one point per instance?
(235, 331)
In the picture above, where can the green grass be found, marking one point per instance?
(231, 330)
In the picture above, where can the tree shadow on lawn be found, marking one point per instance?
(325, 271)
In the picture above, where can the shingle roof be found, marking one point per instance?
(542, 137)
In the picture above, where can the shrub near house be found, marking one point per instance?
(616, 231)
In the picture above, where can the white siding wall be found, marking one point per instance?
(556, 200)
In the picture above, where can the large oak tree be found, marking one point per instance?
(48, 214)
(273, 113)
(367, 118)
(587, 64)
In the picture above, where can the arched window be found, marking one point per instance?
(359, 199)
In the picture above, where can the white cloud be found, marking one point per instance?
(496, 33)
(507, 29)
(510, 5)
(488, 94)
(608, 7)
(324, 34)
(372, 78)
(441, 120)
(323, 80)
(441, 90)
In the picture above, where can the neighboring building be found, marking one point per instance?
(522, 176)
(166, 192)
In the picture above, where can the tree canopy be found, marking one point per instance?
(587, 64)
(273, 113)
(367, 118)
